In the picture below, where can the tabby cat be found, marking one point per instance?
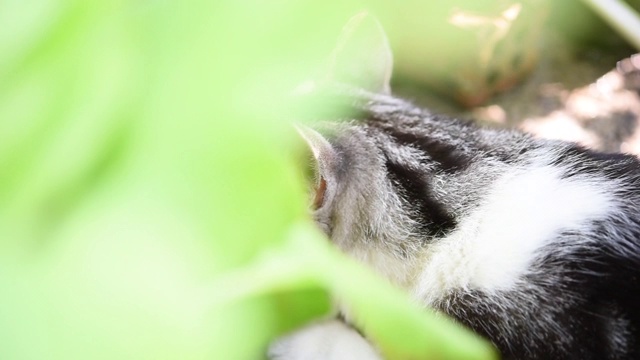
(534, 244)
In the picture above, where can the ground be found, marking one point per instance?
(582, 94)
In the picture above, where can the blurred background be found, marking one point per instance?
(151, 205)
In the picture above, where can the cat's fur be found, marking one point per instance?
(534, 244)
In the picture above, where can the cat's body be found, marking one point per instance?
(534, 244)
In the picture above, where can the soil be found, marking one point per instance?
(585, 95)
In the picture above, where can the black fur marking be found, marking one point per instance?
(579, 160)
(411, 184)
(509, 326)
(448, 157)
(599, 293)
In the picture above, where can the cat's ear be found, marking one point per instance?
(325, 157)
(322, 150)
(363, 56)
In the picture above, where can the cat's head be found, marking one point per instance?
(360, 195)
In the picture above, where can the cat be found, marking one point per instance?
(534, 244)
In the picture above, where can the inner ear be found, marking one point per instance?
(320, 192)
(363, 56)
(316, 182)
(324, 160)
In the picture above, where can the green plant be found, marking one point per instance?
(149, 204)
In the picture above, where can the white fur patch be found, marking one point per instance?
(331, 340)
(497, 242)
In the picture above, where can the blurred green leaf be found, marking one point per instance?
(150, 207)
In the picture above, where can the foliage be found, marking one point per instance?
(150, 207)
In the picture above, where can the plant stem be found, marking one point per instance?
(620, 16)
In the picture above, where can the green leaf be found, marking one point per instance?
(150, 206)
